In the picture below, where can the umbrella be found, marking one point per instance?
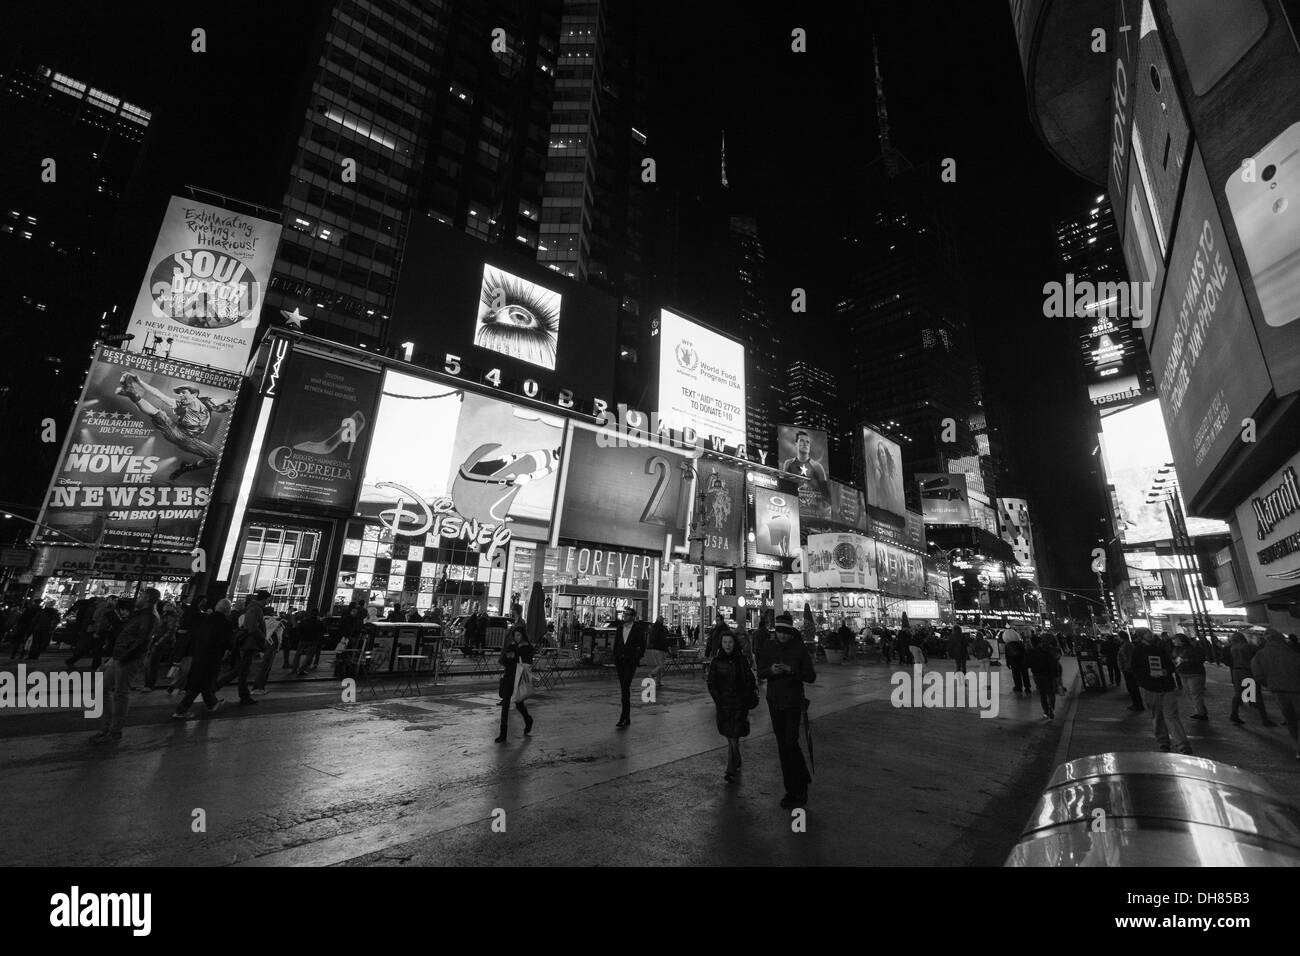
(535, 619)
(808, 739)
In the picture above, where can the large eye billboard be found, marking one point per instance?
(460, 466)
(498, 319)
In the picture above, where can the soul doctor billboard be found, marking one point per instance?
(701, 380)
(202, 296)
(141, 457)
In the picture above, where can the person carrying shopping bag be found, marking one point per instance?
(516, 681)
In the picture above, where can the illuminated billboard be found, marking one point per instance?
(701, 380)
(1269, 521)
(1135, 449)
(944, 498)
(455, 465)
(631, 495)
(801, 452)
(202, 298)
(1206, 358)
(142, 454)
(772, 513)
(840, 560)
(315, 445)
(882, 463)
(502, 321)
(722, 520)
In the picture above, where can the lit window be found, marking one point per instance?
(363, 128)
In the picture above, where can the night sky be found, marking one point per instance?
(801, 133)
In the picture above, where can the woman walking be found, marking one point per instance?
(734, 691)
(1189, 664)
(516, 685)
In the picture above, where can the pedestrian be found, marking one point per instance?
(1042, 663)
(1017, 656)
(1109, 656)
(714, 644)
(1241, 652)
(276, 634)
(289, 642)
(982, 651)
(163, 647)
(629, 646)
(1276, 666)
(784, 663)
(916, 646)
(22, 628)
(848, 640)
(128, 658)
(248, 640)
(734, 691)
(43, 625)
(1189, 665)
(516, 683)
(658, 651)
(1154, 670)
(210, 638)
(311, 635)
(1124, 660)
(887, 647)
(958, 648)
(903, 642)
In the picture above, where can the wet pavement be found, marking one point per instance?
(304, 779)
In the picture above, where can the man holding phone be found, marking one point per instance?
(784, 663)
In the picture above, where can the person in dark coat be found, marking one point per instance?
(210, 638)
(784, 663)
(1154, 669)
(732, 686)
(1277, 666)
(18, 633)
(311, 635)
(630, 639)
(958, 648)
(518, 650)
(1242, 652)
(1110, 657)
(43, 625)
(1041, 662)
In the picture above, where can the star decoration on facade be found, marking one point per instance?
(294, 319)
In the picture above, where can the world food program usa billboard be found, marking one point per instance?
(501, 320)
(140, 460)
(202, 297)
(701, 380)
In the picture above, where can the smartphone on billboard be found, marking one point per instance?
(1267, 215)
(1160, 131)
(1215, 35)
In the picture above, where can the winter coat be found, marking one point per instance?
(1189, 661)
(658, 637)
(731, 684)
(1242, 653)
(1124, 656)
(1153, 668)
(512, 655)
(211, 638)
(1041, 663)
(786, 689)
(1277, 666)
(958, 645)
(133, 640)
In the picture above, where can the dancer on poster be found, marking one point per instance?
(183, 421)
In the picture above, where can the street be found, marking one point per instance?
(305, 780)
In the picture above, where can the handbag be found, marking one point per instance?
(523, 684)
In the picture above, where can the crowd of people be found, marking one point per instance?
(190, 648)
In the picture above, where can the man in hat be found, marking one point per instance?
(185, 425)
(785, 664)
(629, 646)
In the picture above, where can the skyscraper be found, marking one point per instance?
(411, 108)
(1115, 360)
(64, 170)
(812, 400)
(750, 320)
